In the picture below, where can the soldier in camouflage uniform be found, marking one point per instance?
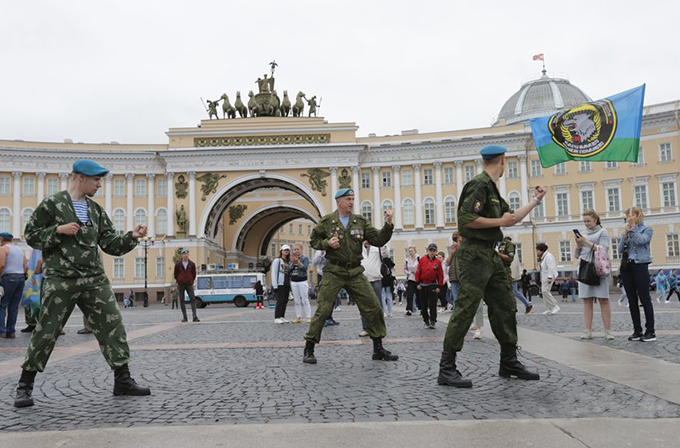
(481, 213)
(341, 234)
(507, 252)
(69, 228)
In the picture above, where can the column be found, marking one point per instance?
(459, 178)
(192, 203)
(356, 186)
(377, 209)
(524, 179)
(171, 204)
(16, 205)
(439, 195)
(419, 196)
(64, 181)
(502, 187)
(129, 206)
(397, 198)
(41, 187)
(480, 167)
(108, 193)
(334, 181)
(151, 191)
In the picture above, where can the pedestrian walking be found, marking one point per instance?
(185, 276)
(371, 258)
(452, 262)
(507, 252)
(259, 295)
(13, 267)
(70, 228)
(565, 290)
(280, 277)
(341, 234)
(594, 237)
(635, 259)
(298, 283)
(525, 281)
(401, 289)
(173, 295)
(661, 285)
(673, 285)
(573, 288)
(386, 282)
(444, 290)
(410, 267)
(548, 276)
(429, 276)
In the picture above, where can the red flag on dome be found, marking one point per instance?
(538, 57)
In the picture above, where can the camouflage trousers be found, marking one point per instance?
(31, 320)
(482, 276)
(355, 282)
(96, 300)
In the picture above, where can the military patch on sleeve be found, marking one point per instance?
(477, 206)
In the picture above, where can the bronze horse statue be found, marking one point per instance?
(252, 104)
(299, 107)
(285, 107)
(240, 107)
(228, 110)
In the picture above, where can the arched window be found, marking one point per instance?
(140, 217)
(450, 210)
(428, 206)
(119, 221)
(25, 217)
(387, 205)
(514, 200)
(409, 217)
(161, 222)
(367, 211)
(5, 220)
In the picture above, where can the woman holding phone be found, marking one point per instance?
(587, 243)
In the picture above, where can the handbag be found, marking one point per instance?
(624, 258)
(587, 273)
(603, 265)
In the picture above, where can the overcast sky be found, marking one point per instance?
(127, 71)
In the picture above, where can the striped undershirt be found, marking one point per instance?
(81, 211)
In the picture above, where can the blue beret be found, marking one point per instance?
(89, 168)
(491, 151)
(344, 192)
(6, 235)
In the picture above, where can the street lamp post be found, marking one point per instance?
(146, 242)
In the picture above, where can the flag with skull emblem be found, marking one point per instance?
(599, 131)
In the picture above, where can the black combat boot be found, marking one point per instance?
(25, 389)
(510, 366)
(308, 357)
(379, 352)
(448, 374)
(125, 385)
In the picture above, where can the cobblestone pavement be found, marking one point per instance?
(261, 378)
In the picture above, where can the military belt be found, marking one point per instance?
(482, 243)
(344, 265)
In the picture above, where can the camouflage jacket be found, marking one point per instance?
(74, 256)
(480, 198)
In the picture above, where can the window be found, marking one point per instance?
(641, 156)
(29, 186)
(565, 250)
(561, 169)
(587, 200)
(367, 211)
(518, 253)
(450, 210)
(539, 211)
(219, 282)
(673, 245)
(429, 210)
(535, 168)
(283, 229)
(140, 188)
(584, 166)
(613, 199)
(309, 229)
(5, 185)
(512, 170)
(427, 177)
(365, 180)
(162, 187)
(448, 176)
(290, 228)
(514, 200)
(300, 229)
(409, 217)
(52, 186)
(407, 178)
(119, 188)
(469, 172)
(386, 205)
(668, 190)
(615, 248)
(161, 222)
(641, 196)
(26, 216)
(205, 283)
(100, 192)
(665, 152)
(139, 267)
(118, 268)
(5, 218)
(611, 165)
(562, 200)
(140, 217)
(386, 179)
(119, 221)
(160, 267)
(273, 250)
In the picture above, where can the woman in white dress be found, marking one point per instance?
(594, 236)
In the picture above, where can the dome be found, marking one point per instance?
(540, 97)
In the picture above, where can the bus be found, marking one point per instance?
(236, 288)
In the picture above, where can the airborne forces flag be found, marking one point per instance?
(604, 130)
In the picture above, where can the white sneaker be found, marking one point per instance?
(337, 309)
(278, 321)
(555, 309)
(284, 321)
(363, 334)
(547, 311)
(390, 315)
(477, 335)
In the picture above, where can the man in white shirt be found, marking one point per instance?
(371, 263)
(548, 276)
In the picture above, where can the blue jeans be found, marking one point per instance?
(518, 295)
(9, 305)
(453, 287)
(573, 295)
